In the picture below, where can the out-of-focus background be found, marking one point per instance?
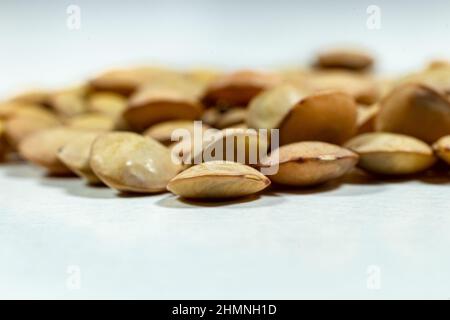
(39, 49)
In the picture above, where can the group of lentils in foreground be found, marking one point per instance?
(116, 128)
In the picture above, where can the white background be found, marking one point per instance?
(305, 244)
(37, 48)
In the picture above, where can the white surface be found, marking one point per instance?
(301, 244)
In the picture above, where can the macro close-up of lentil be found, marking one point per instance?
(124, 140)
(224, 150)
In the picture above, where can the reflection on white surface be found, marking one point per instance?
(287, 244)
